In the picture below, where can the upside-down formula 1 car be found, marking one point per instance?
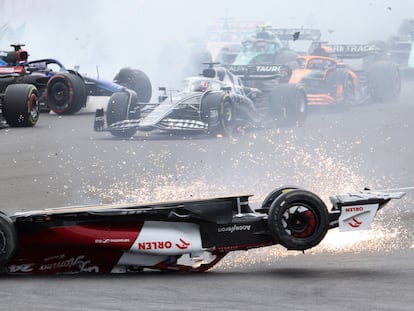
(189, 235)
(62, 90)
(217, 102)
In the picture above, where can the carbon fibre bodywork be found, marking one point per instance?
(189, 235)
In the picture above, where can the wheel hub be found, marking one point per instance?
(299, 221)
(59, 94)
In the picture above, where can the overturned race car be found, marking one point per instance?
(191, 235)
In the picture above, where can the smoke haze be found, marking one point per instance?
(113, 34)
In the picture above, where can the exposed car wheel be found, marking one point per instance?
(119, 110)
(341, 86)
(267, 202)
(217, 112)
(385, 81)
(137, 81)
(8, 240)
(227, 120)
(298, 219)
(288, 104)
(21, 105)
(66, 93)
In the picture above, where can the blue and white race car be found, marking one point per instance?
(62, 90)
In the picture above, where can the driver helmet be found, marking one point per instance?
(201, 86)
(261, 46)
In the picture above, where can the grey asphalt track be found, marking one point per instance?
(62, 161)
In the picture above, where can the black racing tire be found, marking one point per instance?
(137, 81)
(267, 202)
(217, 111)
(288, 104)
(66, 93)
(298, 219)
(118, 110)
(227, 117)
(384, 79)
(8, 240)
(21, 105)
(340, 81)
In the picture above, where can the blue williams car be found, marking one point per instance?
(62, 90)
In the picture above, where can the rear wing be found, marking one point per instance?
(259, 71)
(293, 34)
(353, 51)
(356, 210)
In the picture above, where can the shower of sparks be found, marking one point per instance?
(257, 170)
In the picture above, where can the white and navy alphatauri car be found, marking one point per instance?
(215, 102)
(188, 235)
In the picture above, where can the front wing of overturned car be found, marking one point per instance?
(190, 235)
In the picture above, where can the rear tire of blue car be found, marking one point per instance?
(298, 219)
(8, 240)
(137, 81)
(119, 110)
(66, 93)
(21, 105)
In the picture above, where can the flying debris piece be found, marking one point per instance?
(296, 35)
(389, 8)
(331, 31)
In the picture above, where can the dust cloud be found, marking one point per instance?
(101, 36)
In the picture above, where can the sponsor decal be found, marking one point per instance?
(162, 245)
(79, 262)
(238, 68)
(25, 268)
(231, 229)
(357, 217)
(2, 53)
(355, 223)
(354, 209)
(267, 68)
(353, 48)
(257, 68)
(107, 241)
(183, 245)
(154, 245)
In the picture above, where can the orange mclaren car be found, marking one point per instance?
(326, 80)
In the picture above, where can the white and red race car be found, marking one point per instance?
(188, 235)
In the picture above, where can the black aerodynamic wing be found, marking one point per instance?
(353, 51)
(258, 71)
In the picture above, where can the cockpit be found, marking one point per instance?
(200, 84)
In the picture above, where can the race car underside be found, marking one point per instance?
(191, 235)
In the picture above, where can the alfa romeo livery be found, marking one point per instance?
(190, 235)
